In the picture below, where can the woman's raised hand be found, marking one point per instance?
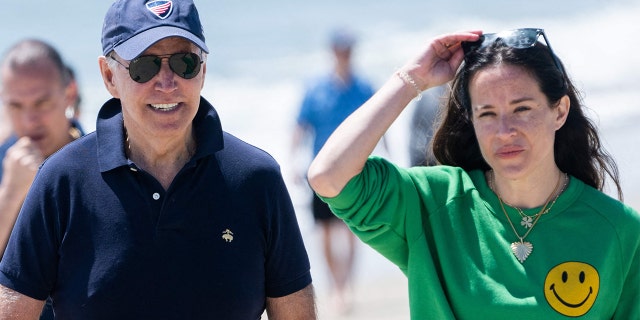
(439, 61)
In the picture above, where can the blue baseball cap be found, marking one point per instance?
(342, 39)
(132, 26)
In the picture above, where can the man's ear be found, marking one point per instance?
(204, 73)
(71, 93)
(107, 76)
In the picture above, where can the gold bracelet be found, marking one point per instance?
(405, 77)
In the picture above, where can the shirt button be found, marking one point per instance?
(156, 196)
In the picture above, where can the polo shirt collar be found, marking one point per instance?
(110, 134)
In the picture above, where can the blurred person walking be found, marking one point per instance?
(328, 100)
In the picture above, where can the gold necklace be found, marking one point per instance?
(523, 249)
(527, 220)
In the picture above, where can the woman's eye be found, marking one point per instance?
(486, 114)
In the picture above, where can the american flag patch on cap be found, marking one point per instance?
(161, 8)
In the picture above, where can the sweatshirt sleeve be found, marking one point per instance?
(376, 205)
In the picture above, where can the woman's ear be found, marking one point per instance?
(107, 76)
(562, 110)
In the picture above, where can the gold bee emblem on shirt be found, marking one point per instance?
(227, 235)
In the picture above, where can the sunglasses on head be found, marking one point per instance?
(517, 38)
(144, 68)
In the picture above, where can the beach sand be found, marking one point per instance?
(383, 298)
(380, 298)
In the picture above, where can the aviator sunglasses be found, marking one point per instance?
(517, 38)
(144, 68)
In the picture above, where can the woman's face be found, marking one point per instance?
(513, 121)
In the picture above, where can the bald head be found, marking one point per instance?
(30, 54)
(34, 88)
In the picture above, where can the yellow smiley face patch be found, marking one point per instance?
(571, 288)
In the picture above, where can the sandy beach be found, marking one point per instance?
(383, 298)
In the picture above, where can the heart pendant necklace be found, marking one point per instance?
(522, 249)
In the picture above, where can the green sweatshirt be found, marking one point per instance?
(445, 229)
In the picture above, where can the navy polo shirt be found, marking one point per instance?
(104, 239)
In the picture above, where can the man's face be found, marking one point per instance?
(164, 106)
(342, 55)
(35, 101)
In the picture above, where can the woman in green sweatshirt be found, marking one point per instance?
(513, 224)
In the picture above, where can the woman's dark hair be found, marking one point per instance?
(577, 148)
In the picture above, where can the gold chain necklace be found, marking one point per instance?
(523, 249)
(527, 220)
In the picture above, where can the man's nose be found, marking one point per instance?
(166, 78)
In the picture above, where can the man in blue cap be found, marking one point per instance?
(159, 214)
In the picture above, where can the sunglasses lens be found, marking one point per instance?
(144, 68)
(185, 65)
(520, 38)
